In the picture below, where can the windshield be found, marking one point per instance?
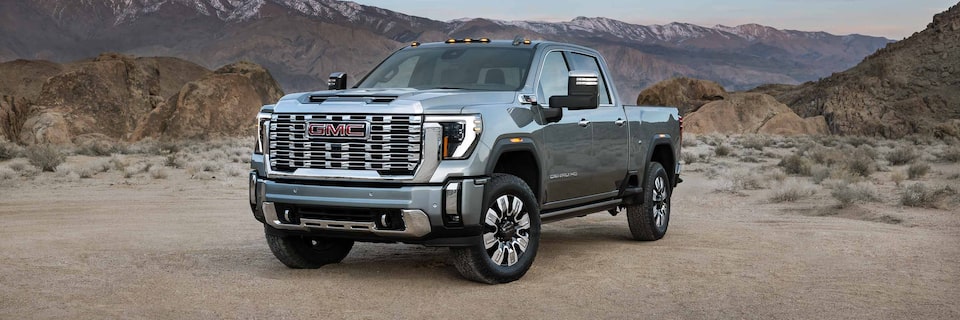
(472, 68)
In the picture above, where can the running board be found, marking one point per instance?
(579, 211)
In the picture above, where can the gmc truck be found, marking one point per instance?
(469, 144)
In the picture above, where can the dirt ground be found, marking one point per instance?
(181, 247)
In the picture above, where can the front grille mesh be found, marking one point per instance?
(393, 147)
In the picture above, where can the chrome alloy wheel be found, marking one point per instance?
(659, 201)
(506, 230)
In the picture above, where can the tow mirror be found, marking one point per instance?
(337, 81)
(582, 91)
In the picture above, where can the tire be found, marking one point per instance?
(649, 220)
(298, 252)
(511, 234)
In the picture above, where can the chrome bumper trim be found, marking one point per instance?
(416, 223)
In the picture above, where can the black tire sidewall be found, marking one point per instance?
(511, 185)
(657, 170)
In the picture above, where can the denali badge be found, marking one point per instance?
(343, 130)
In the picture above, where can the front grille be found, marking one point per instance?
(393, 146)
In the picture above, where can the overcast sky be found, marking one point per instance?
(893, 19)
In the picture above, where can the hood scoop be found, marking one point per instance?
(354, 98)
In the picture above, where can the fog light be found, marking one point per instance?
(451, 203)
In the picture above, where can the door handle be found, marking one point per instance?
(584, 122)
(620, 122)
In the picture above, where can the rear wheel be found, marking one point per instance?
(511, 234)
(300, 252)
(649, 221)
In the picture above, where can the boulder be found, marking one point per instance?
(686, 94)
(749, 113)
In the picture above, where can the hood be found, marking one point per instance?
(400, 101)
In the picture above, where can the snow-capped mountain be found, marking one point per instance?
(301, 41)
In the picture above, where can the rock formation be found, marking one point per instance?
(684, 93)
(746, 113)
(909, 87)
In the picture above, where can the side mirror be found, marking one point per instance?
(337, 81)
(582, 92)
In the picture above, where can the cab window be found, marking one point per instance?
(588, 63)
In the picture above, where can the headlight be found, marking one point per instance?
(460, 135)
(263, 121)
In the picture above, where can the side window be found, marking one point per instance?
(553, 78)
(585, 62)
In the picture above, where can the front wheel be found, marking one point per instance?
(649, 221)
(511, 234)
(300, 252)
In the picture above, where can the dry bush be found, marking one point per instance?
(897, 177)
(177, 160)
(749, 159)
(158, 173)
(792, 191)
(739, 180)
(689, 141)
(44, 157)
(8, 174)
(861, 165)
(777, 175)
(847, 193)
(857, 141)
(796, 164)
(689, 157)
(9, 150)
(235, 172)
(951, 154)
(902, 155)
(96, 148)
(85, 172)
(118, 163)
(918, 170)
(819, 172)
(147, 146)
(920, 196)
(756, 141)
(722, 150)
(18, 166)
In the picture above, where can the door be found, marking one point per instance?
(569, 142)
(610, 133)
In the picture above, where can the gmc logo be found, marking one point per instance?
(356, 130)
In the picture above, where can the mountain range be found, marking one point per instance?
(302, 41)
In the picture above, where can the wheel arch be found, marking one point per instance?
(518, 158)
(663, 153)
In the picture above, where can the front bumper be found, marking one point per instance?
(423, 211)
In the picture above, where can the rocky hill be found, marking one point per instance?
(912, 86)
(302, 41)
(120, 97)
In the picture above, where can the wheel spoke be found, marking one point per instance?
(511, 255)
(517, 207)
(498, 255)
(522, 241)
(503, 203)
(490, 240)
(492, 218)
(524, 222)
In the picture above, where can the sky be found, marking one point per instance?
(894, 19)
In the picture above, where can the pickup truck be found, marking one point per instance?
(469, 144)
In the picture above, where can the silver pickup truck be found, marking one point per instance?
(469, 144)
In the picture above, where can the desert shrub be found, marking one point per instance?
(9, 151)
(920, 196)
(918, 170)
(722, 150)
(749, 159)
(18, 166)
(176, 160)
(902, 155)
(689, 141)
(739, 180)
(85, 172)
(951, 154)
(118, 163)
(796, 164)
(776, 175)
(897, 177)
(689, 157)
(857, 141)
(44, 157)
(819, 172)
(96, 148)
(847, 194)
(158, 173)
(8, 174)
(792, 191)
(826, 156)
(147, 146)
(170, 147)
(861, 165)
(757, 142)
